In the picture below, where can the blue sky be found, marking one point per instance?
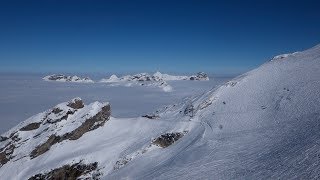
(166, 35)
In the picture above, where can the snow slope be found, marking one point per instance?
(261, 125)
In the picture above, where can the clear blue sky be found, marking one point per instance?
(165, 35)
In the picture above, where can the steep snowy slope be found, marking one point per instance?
(264, 124)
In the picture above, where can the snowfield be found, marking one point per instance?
(261, 125)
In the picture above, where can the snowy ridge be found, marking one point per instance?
(282, 56)
(201, 76)
(156, 80)
(41, 133)
(64, 78)
(261, 125)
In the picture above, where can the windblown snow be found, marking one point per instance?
(264, 124)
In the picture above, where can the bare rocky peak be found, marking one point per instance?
(200, 76)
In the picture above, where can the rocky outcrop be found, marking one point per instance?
(200, 76)
(76, 103)
(31, 126)
(189, 110)
(69, 172)
(3, 138)
(66, 121)
(53, 139)
(3, 158)
(88, 125)
(168, 139)
(151, 116)
(6, 153)
(162, 141)
(64, 78)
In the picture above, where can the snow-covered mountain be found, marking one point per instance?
(157, 79)
(64, 78)
(261, 125)
(201, 76)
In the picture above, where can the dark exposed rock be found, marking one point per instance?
(90, 124)
(6, 153)
(199, 76)
(93, 123)
(67, 172)
(56, 110)
(30, 127)
(167, 139)
(76, 104)
(14, 136)
(53, 139)
(152, 116)
(69, 112)
(202, 75)
(3, 158)
(3, 138)
(189, 110)
(57, 77)
(66, 116)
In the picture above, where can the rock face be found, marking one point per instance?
(167, 139)
(76, 103)
(68, 172)
(64, 78)
(7, 151)
(30, 127)
(88, 125)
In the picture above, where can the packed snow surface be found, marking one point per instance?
(261, 125)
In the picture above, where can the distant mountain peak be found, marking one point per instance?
(64, 78)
